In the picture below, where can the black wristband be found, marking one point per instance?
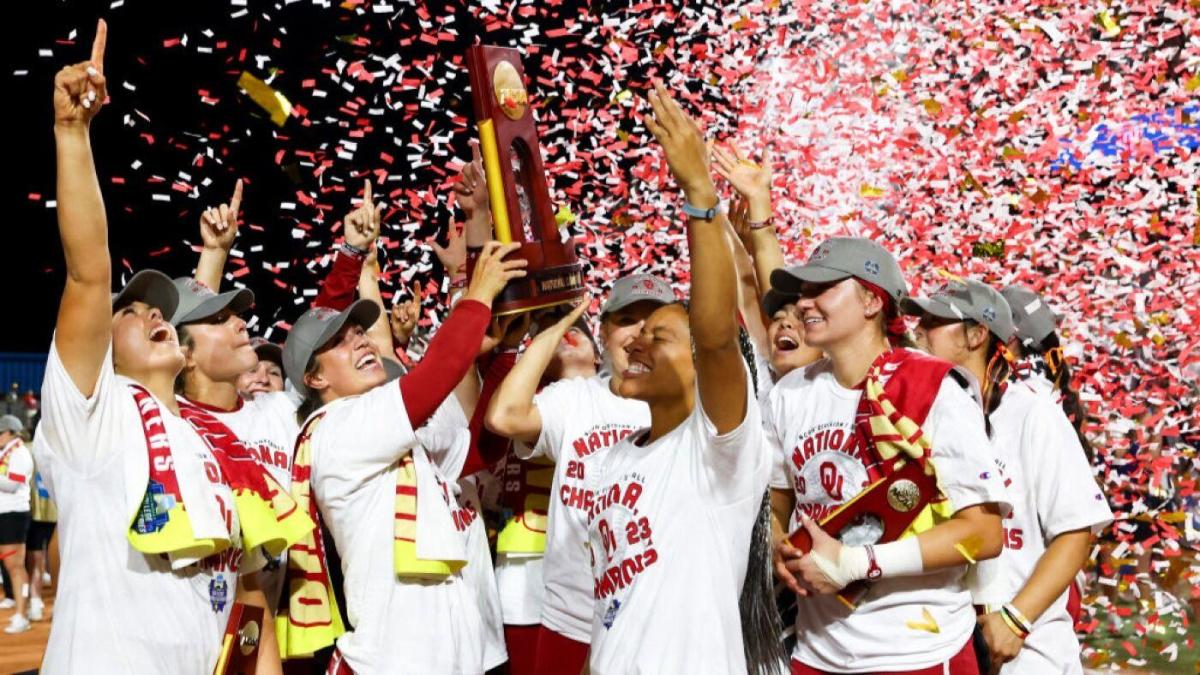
(352, 250)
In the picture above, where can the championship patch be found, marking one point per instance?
(610, 615)
(152, 516)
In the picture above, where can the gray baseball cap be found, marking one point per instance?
(198, 302)
(636, 288)
(316, 327)
(151, 287)
(840, 258)
(11, 423)
(967, 299)
(1034, 319)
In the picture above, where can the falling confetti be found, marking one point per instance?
(1053, 145)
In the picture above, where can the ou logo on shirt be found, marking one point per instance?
(830, 478)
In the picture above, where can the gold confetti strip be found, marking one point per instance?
(970, 547)
(949, 276)
(270, 100)
(1111, 29)
(926, 623)
(870, 191)
(564, 216)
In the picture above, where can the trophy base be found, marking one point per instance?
(239, 647)
(541, 289)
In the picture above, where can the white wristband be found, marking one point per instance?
(898, 558)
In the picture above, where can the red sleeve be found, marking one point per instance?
(450, 353)
(339, 286)
(488, 448)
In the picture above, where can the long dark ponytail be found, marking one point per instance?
(762, 628)
(1050, 362)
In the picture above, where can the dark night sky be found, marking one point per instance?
(422, 115)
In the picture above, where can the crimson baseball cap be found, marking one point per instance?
(1034, 318)
(636, 288)
(839, 258)
(198, 302)
(151, 287)
(314, 329)
(967, 299)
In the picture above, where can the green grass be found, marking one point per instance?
(1148, 646)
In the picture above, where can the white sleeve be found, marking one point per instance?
(447, 438)
(736, 464)
(71, 422)
(1062, 482)
(553, 404)
(363, 436)
(962, 454)
(282, 403)
(449, 415)
(20, 471)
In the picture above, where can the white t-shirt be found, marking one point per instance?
(399, 626)
(479, 573)
(519, 583)
(580, 416)
(809, 420)
(16, 475)
(267, 426)
(669, 528)
(1052, 491)
(118, 610)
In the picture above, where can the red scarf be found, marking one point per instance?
(911, 381)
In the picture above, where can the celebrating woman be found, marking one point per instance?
(670, 509)
(151, 528)
(852, 420)
(1056, 503)
(385, 500)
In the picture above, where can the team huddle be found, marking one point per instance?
(659, 483)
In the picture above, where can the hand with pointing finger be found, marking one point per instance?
(405, 316)
(453, 255)
(362, 224)
(219, 224)
(471, 189)
(81, 90)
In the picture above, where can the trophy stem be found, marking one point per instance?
(495, 180)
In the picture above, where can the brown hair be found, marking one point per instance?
(187, 343)
(312, 398)
(999, 369)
